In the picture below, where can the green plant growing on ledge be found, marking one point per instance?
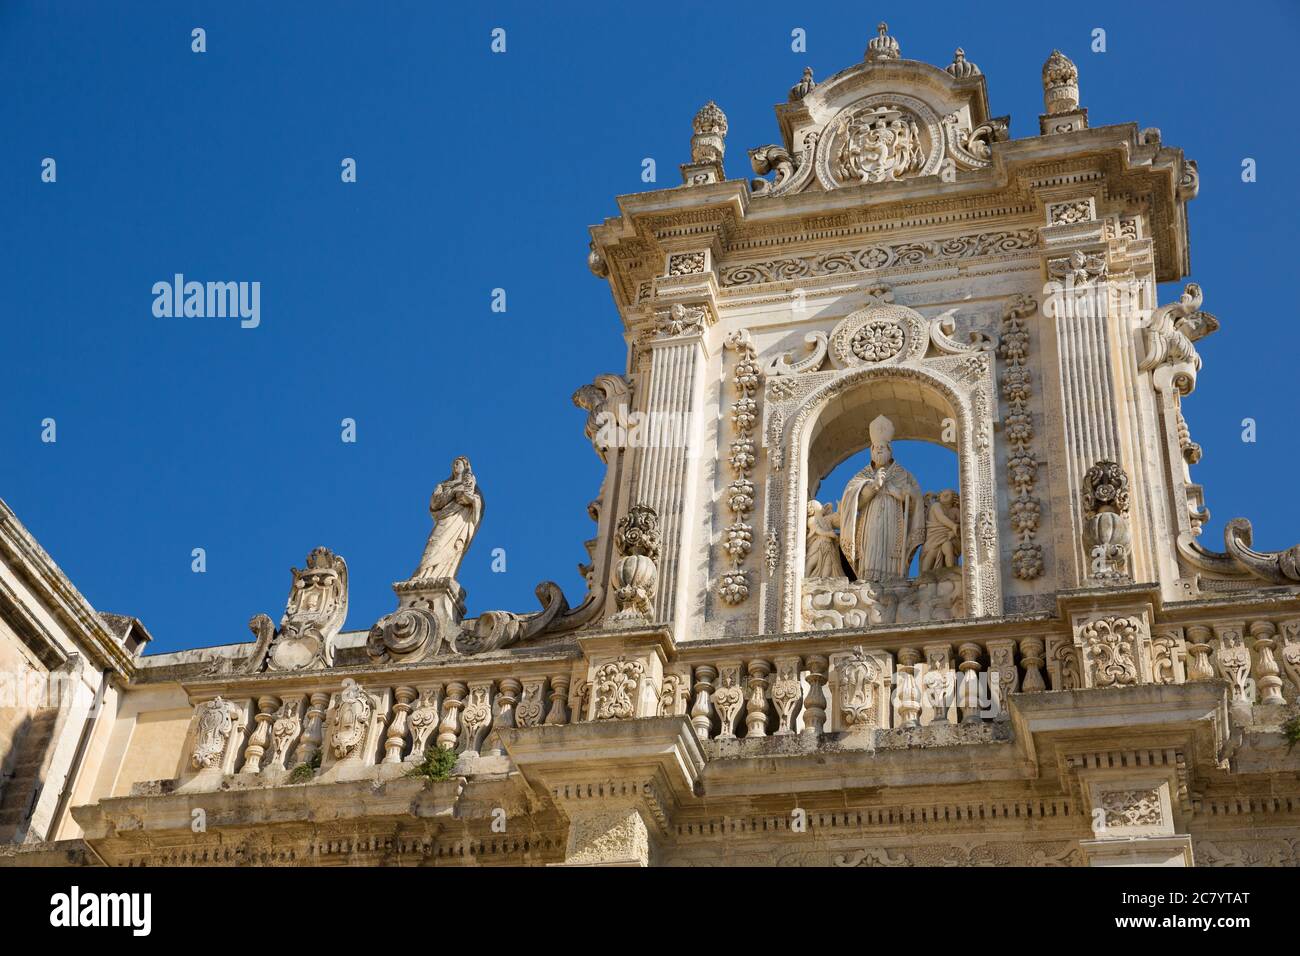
(1291, 731)
(437, 764)
(305, 771)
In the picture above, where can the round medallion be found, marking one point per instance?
(877, 341)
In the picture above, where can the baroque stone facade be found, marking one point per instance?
(1038, 664)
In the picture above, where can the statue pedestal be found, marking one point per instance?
(443, 596)
(833, 603)
(428, 616)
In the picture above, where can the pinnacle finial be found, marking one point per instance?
(1060, 84)
(960, 67)
(882, 46)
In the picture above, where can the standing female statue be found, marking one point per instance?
(881, 516)
(457, 508)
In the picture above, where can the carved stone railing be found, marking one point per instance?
(733, 695)
(344, 725)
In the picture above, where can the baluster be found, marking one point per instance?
(908, 692)
(477, 715)
(727, 699)
(756, 699)
(559, 712)
(1270, 684)
(1198, 652)
(261, 735)
(968, 693)
(449, 729)
(814, 703)
(285, 729)
(313, 735)
(532, 703)
(1031, 656)
(507, 697)
(938, 684)
(786, 692)
(1233, 659)
(423, 722)
(702, 709)
(1003, 678)
(395, 740)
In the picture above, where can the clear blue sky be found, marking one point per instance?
(476, 171)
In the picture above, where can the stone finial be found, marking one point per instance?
(710, 140)
(882, 46)
(960, 67)
(1060, 84)
(636, 574)
(804, 86)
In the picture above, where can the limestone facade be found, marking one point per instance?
(1039, 664)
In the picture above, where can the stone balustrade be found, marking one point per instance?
(727, 693)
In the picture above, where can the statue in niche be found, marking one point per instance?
(942, 542)
(881, 515)
(457, 508)
(823, 547)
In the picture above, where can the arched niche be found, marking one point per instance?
(830, 423)
(840, 431)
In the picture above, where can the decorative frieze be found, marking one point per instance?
(875, 258)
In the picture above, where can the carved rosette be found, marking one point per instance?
(1018, 427)
(738, 538)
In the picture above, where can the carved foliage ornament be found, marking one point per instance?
(738, 538)
(1110, 645)
(615, 685)
(871, 258)
(1018, 427)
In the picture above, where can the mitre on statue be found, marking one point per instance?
(881, 430)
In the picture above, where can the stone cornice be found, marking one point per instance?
(1115, 162)
(21, 552)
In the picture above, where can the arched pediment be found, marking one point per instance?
(883, 120)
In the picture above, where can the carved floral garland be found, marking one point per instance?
(738, 538)
(1022, 464)
(872, 258)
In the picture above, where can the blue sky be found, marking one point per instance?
(477, 171)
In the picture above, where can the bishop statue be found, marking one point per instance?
(881, 515)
